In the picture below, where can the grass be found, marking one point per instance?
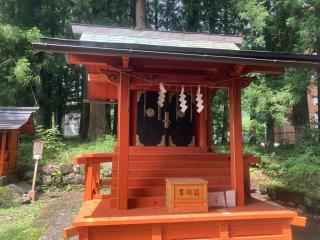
(24, 222)
(62, 151)
(19, 222)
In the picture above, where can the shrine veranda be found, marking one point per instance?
(163, 84)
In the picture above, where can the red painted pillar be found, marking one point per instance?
(123, 141)
(3, 150)
(236, 151)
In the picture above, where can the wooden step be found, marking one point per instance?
(142, 202)
(179, 156)
(154, 201)
(159, 164)
(150, 182)
(161, 191)
(184, 172)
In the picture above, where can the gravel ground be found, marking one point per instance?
(59, 212)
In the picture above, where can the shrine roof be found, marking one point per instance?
(155, 38)
(13, 118)
(148, 44)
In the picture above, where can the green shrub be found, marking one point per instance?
(296, 167)
(51, 137)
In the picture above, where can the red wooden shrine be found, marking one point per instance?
(127, 66)
(13, 121)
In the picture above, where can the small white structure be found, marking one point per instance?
(71, 124)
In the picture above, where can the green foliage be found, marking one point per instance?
(6, 197)
(51, 138)
(287, 25)
(220, 114)
(22, 72)
(17, 67)
(267, 97)
(253, 15)
(67, 149)
(74, 147)
(295, 167)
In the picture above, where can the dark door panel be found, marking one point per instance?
(151, 127)
(150, 130)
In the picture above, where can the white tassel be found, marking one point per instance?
(183, 101)
(162, 95)
(199, 100)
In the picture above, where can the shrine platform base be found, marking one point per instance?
(256, 220)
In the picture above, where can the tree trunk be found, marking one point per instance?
(225, 124)
(59, 110)
(156, 18)
(59, 119)
(300, 117)
(97, 123)
(270, 131)
(115, 119)
(46, 116)
(140, 14)
(318, 108)
(108, 119)
(253, 130)
(45, 108)
(84, 120)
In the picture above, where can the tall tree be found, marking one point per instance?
(310, 39)
(110, 12)
(191, 15)
(140, 14)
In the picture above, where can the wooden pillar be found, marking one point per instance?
(236, 151)
(224, 230)
(3, 146)
(123, 141)
(88, 180)
(156, 232)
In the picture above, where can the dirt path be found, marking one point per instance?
(312, 229)
(60, 209)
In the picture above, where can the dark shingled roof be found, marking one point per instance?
(13, 118)
(106, 41)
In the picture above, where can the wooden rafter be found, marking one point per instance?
(125, 62)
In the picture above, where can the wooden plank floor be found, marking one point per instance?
(98, 213)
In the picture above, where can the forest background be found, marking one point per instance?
(29, 78)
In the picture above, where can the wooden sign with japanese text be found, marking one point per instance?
(186, 195)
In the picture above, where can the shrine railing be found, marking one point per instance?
(92, 181)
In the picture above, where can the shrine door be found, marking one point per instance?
(166, 126)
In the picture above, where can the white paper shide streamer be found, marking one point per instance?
(183, 101)
(199, 100)
(162, 95)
